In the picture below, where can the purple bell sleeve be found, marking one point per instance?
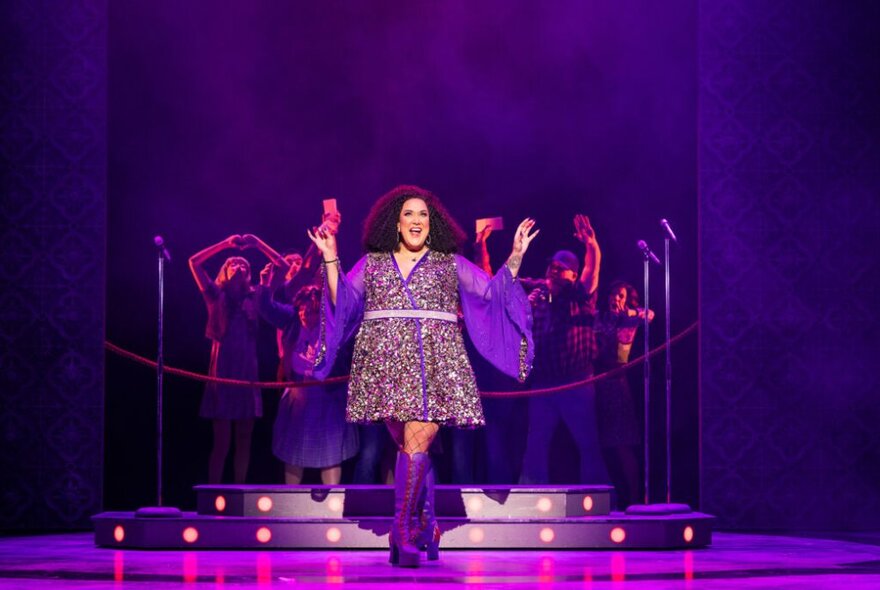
(498, 317)
(339, 322)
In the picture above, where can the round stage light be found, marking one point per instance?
(588, 503)
(264, 504)
(476, 535)
(190, 534)
(264, 535)
(547, 535)
(334, 534)
(220, 503)
(119, 533)
(475, 504)
(688, 534)
(545, 504)
(335, 504)
(618, 534)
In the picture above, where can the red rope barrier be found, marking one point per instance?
(298, 384)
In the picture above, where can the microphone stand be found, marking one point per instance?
(647, 378)
(668, 507)
(159, 511)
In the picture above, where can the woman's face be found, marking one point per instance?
(414, 224)
(617, 300)
(238, 271)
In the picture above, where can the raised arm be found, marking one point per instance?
(481, 251)
(252, 241)
(197, 260)
(325, 242)
(584, 232)
(521, 240)
(277, 314)
(312, 258)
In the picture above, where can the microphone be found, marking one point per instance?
(160, 244)
(643, 246)
(665, 224)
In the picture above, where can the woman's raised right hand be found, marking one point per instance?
(324, 241)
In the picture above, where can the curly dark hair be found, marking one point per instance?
(632, 295)
(380, 227)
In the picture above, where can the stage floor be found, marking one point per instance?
(71, 561)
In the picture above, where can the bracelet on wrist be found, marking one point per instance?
(329, 261)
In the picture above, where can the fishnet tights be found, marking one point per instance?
(413, 437)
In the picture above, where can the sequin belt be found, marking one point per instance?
(421, 314)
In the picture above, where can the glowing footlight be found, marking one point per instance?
(588, 503)
(688, 534)
(335, 504)
(190, 534)
(618, 535)
(475, 504)
(547, 535)
(119, 533)
(476, 535)
(264, 504)
(264, 535)
(220, 503)
(334, 534)
(545, 504)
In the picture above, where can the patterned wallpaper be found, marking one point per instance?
(53, 152)
(789, 219)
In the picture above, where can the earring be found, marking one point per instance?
(428, 239)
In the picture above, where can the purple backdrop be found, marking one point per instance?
(241, 120)
(789, 163)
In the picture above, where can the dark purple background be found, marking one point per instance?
(243, 119)
(788, 208)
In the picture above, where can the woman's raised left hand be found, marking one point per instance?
(524, 236)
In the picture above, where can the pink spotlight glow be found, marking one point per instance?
(335, 504)
(118, 566)
(689, 565)
(190, 567)
(190, 534)
(220, 503)
(119, 533)
(545, 504)
(588, 503)
(264, 535)
(264, 568)
(688, 534)
(618, 535)
(334, 534)
(475, 504)
(618, 567)
(264, 504)
(476, 535)
(547, 535)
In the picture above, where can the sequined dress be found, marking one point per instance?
(409, 359)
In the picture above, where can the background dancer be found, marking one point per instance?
(619, 432)
(563, 304)
(232, 329)
(310, 429)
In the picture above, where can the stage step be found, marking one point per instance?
(359, 517)
(365, 501)
(194, 531)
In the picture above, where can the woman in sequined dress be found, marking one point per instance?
(410, 369)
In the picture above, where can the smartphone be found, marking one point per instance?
(329, 206)
(495, 223)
